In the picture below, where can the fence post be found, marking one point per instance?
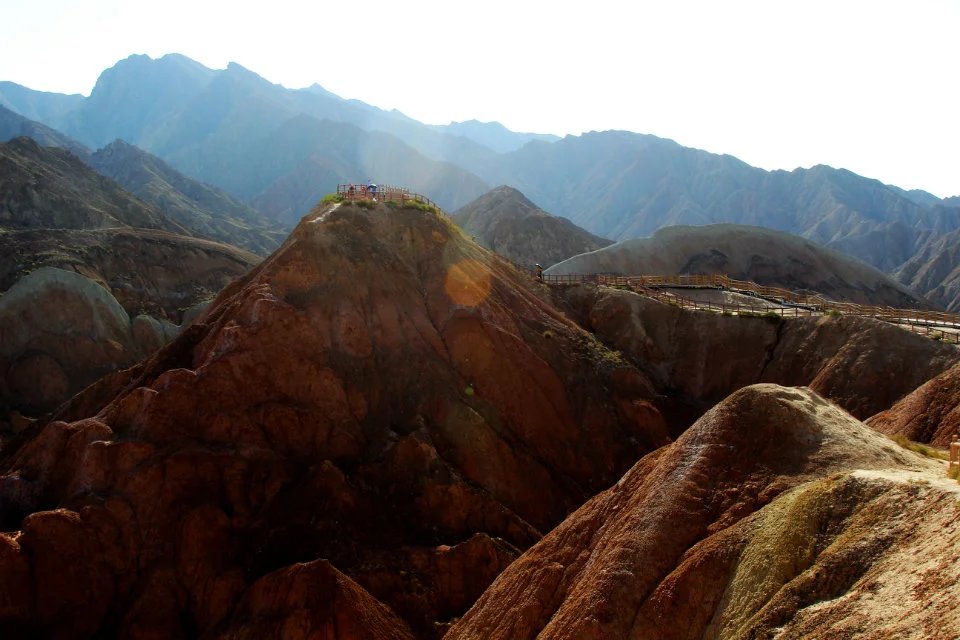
(954, 455)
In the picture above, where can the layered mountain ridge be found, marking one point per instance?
(203, 209)
(217, 125)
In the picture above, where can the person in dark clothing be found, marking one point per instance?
(539, 272)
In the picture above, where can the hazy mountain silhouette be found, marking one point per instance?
(493, 135)
(220, 125)
(623, 185)
(216, 126)
(919, 196)
(200, 207)
(13, 125)
(506, 222)
(42, 106)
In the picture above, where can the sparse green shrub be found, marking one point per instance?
(469, 390)
(331, 198)
(919, 447)
(365, 204)
(937, 337)
(833, 313)
(954, 474)
(419, 206)
(548, 334)
(727, 314)
(772, 317)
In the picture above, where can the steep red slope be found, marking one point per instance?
(664, 553)
(380, 393)
(930, 414)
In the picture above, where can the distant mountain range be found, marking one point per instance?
(13, 125)
(506, 222)
(279, 150)
(205, 210)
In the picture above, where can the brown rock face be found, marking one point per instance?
(147, 271)
(312, 600)
(61, 332)
(930, 414)
(125, 274)
(672, 551)
(863, 365)
(414, 418)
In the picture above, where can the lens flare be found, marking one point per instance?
(468, 283)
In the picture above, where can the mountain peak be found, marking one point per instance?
(505, 221)
(297, 379)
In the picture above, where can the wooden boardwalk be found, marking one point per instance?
(939, 325)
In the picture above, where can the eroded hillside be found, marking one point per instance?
(775, 515)
(382, 419)
(698, 358)
(92, 279)
(415, 419)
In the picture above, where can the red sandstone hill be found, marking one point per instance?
(381, 400)
(775, 515)
(930, 414)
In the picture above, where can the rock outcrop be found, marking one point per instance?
(415, 419)
(147, 271)
(930, 414)
(61, 332)
(699, 358)
(706, 539)
(764, 256)
(506, 222)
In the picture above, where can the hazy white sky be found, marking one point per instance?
(872, 86)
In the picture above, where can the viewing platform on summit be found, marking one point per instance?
(381, 193)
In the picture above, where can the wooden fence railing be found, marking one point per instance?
(383, 193)
(793, 304)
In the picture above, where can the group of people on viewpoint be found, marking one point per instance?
(364, 190)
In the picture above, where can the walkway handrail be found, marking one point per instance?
(800, 305)
(384, 193)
